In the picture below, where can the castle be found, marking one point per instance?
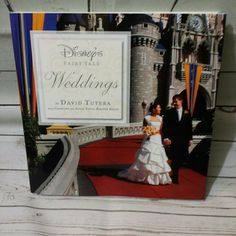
(160, 45)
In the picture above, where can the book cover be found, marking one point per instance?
(118, 104)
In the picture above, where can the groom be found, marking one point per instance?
(177, 134)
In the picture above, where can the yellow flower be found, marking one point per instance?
(149, 130)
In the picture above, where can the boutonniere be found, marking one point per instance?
(186, 112)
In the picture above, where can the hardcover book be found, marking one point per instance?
(118, 104)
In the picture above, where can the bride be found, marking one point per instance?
(151, 165)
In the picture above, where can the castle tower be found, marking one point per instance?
(146, 61)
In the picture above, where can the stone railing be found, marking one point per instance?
(63, 178)
(131, 129)
(197, 139)
(88, 134)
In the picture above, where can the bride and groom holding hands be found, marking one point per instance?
(173, 131)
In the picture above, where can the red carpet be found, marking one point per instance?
(191, 186)
(121, 151)
(110, 151)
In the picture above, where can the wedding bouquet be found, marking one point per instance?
(149, 130)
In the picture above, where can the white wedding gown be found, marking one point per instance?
(151, 165)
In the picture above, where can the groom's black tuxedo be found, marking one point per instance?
(180, 134)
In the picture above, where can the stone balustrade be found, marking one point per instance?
(87, 134)
(132, 129)
(63, 179)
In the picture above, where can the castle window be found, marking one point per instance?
(142, 41)
(161, 53)
(145, 25)
(144, 58)
(157, 67)
(203, 52)
(188, 48)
